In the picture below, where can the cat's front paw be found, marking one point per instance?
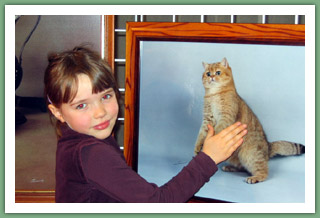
(197, 150)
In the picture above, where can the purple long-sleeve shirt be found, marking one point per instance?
(93, 170)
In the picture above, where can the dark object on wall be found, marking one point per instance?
(20, 118)
(25, 101)
(19, 73)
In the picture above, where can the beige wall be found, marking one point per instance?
(53, 34)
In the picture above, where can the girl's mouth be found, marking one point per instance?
(102, 126)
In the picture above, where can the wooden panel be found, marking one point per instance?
(220, 32)
(109, 40)
(273, 34)
(35, 196)
(130, 151)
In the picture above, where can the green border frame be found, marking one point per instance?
(139, 2)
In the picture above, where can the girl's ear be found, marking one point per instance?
(56, 112)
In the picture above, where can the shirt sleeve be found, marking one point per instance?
(105, 168)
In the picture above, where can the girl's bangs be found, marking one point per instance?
(70, 89)
(101, 81)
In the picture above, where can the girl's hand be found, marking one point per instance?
(221, 146)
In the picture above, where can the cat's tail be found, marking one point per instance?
(285, 148)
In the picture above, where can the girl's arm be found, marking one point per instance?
(106, 169)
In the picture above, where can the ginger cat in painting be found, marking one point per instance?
(223, 107)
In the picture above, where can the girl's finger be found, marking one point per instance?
(227, 130)
(238, 137)
(236, 131)
(236, 145)
(210, 131)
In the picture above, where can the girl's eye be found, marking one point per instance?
(218, 73)
(106, 96)
(81, 106)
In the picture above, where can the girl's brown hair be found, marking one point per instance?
(61, 77)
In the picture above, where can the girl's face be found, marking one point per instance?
(91, 114)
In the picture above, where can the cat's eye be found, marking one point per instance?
(208, 73)
(218, 73)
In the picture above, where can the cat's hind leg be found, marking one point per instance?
(254, 158)
(259, 174)
(257, 167)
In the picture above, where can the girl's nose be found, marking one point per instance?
(100, 111)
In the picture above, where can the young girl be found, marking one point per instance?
(83, 99)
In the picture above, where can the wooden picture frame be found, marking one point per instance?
(255, 34)
(268, 34)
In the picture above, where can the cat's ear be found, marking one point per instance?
(204, 64)
(224, 62)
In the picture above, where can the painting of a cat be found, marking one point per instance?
(223, 107)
